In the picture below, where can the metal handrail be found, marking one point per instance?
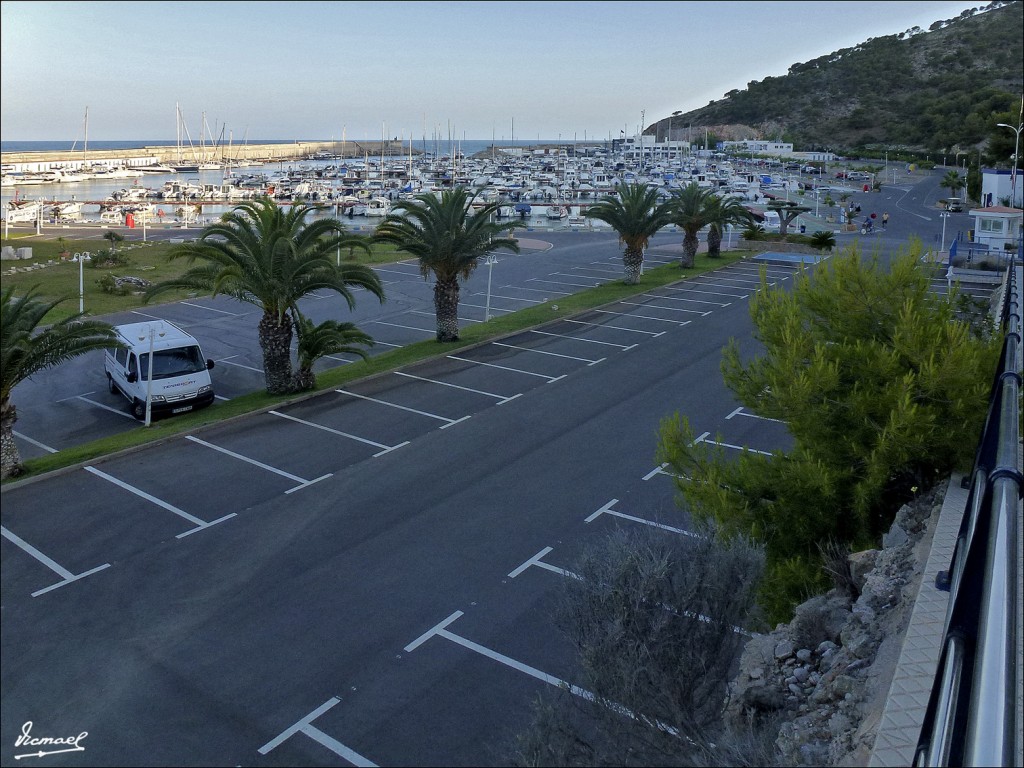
(972, 714)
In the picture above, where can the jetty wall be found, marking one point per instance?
(31, 162)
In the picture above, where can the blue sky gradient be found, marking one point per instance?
(318, 70)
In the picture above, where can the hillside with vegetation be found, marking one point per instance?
(940, 90)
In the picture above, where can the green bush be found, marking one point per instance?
(108, 284)
(883, 388)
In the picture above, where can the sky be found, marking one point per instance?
(363, 70)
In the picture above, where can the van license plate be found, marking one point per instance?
(182, 409)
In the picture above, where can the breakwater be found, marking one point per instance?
(33, 162)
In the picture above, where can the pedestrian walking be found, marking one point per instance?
(885, 219)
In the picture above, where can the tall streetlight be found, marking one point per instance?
(149, 374)
(943, 216)
(1013, 172)
(81, 258)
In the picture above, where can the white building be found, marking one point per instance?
(996, 187)
(997, 226)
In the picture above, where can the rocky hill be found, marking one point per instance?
(934, 90)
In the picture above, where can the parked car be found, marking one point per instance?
(955, 205)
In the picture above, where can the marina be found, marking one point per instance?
(544, 185)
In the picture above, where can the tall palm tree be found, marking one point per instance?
(328, 338)
(720, 213)
(23, 353)
(953, 182)
(448, 238)
(689, 213)
(264, 255)
(636, 215)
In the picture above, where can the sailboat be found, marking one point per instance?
(180, 166)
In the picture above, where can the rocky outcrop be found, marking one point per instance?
(825, 675)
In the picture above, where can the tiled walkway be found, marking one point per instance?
(900, 726)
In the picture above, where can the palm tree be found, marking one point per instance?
(448, 238)
(328, 338)
(689, 212)
(720, 213)
(266, 256)
(23, 353)
(635, 215)
(953, 182)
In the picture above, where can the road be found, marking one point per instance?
(365, 577)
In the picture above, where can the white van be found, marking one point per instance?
(181, 376)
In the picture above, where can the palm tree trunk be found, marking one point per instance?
(714, 242)
(446, 308)
(275, 341)
(690, 246)
(632, 260)
(10, 458)
(304, 380)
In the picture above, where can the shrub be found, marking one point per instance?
(754, 232)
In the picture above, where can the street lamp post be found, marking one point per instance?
(81, 258)
(1013, 172)
(943, 216)
(149, 374)
(490, 262)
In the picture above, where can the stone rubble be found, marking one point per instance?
(826, 674)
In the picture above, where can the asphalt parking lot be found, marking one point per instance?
(465, 634)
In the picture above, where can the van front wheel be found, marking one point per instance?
(139, 410)
(111, 385)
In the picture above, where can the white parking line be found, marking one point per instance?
(143, 314)
(602, 271)
(648, 305)
(740, 412)
(461, 319)
(642, 317)
(397, 272)
(450, 422)
(493, 309)
(407, 327)
(199, 524)
(118, 411)
(623, 347)
(501, 398)
(695, 301)
(34, 442)
(386, 448)
(744, 284)
(227, 361)
(536, 560)
(67, 576)
(607, 510)
(514, 298)
(441, 631)
(679, 298)
(708, 293)
(210, 309)
(302, 482)
(588, 361)
(305, 725)
(551, 379)
(617, 328)
(538, 290)
(562, 282)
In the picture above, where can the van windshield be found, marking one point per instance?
(168, 363)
